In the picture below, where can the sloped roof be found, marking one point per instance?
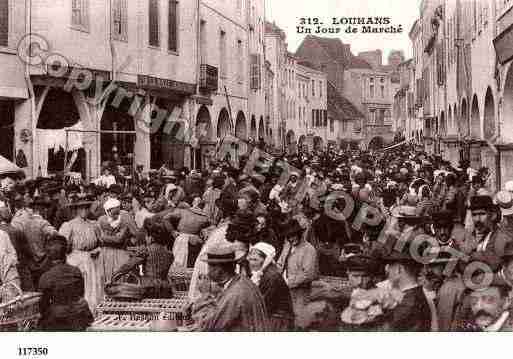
(340, 52)
(341, 107)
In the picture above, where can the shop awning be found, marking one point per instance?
(394, 146)
(7, 167)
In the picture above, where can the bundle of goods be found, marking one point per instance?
(127, 287)
(369, 307)
(180, 278)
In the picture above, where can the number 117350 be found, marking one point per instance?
(32, 351)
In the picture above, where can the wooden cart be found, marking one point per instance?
(139, 316)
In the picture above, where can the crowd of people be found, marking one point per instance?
(260, 241)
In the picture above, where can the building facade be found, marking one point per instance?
(461, 92)
(13, 88)
(169, 80)
(372, 93)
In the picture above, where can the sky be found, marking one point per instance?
(286, 14)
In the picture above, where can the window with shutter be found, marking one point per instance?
(239, 7)
(313, 118)
(154, 21)
(173, 26)
(325, 113)
(203, 42)
(120, 20)
(222, 54)
(80, 14)
(256, 72)
(485, 14)
(4, 23)
(240, 62)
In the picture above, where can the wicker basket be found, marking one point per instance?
(125, 290)
(21, 313)
(180, 277)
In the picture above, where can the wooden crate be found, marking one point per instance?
(339, 282)
(147, 309)
(112, 322)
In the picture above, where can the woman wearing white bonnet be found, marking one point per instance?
(116, 230)
(266, 275)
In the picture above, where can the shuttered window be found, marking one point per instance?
(80, 14)
(240, 62)
(222, 54)
(4, 23)
(120, 20)
(173, 26)
(255, 72)
(154, 20)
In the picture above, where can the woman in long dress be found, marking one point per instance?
(83, 238)
(227, 205)
(116, 230)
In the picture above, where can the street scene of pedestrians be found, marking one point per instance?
(227, 166)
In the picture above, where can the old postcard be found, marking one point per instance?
(184, 166)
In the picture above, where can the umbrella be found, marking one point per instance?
(7, 167)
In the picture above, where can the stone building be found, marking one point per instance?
(371, 91)
(72, 121)
(182, 75)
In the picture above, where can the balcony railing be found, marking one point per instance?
(209, 77)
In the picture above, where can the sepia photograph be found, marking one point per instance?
(292, 166)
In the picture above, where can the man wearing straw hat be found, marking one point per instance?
(240, 306)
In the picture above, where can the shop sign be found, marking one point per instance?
(76, 71)
(157, 83)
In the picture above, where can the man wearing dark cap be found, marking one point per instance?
(484, 240)
(486, 305)
(413, 314)
(63, 307)
(443, 224)
(300, 267)
(489, 309)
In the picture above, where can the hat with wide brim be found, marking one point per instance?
(481, 203)
(292, 228)
(406, 212)
(41, 202)
(443, 218)
(504, 199)
(82, 203)
(362, 263)
(221, 254)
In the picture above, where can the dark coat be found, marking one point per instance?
(20, 244)
(240, 308)
(412, 314)
(276, 293)
(63, 307)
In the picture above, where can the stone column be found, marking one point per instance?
(23, 121)
(142, 147)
